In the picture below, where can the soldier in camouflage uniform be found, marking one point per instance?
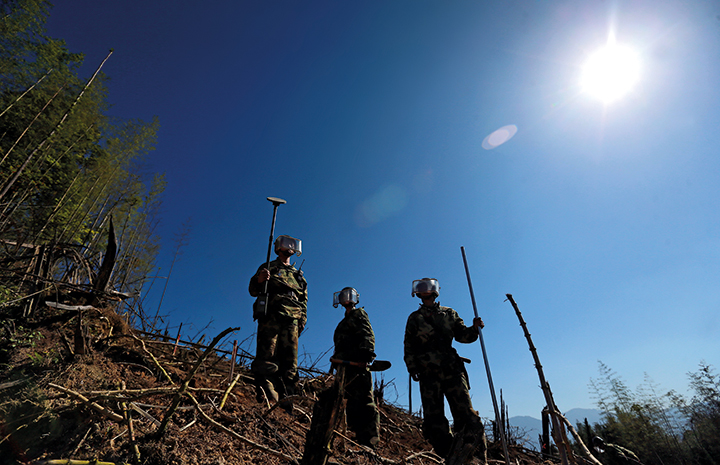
(355, 342)
(275, 364)
(431, 360)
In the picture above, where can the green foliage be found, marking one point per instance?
(65, 167)
(23, 337)
(659, 429)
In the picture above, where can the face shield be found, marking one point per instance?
(347, 295)
(421, 286)
(288, 244)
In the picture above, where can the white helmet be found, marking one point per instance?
(420, 286)
(347, 295)
(290, 244)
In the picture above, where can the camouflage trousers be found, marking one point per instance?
(277, 343)
(434, 388)
(362, 413)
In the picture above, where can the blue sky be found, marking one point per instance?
(368, 118)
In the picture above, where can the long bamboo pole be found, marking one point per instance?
(557, 429)
(498, 420)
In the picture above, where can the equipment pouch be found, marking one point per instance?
(260, 306)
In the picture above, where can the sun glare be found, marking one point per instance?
(610, 73)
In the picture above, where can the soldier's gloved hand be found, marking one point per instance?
(478, 323)
(415, 376)
(263, 275)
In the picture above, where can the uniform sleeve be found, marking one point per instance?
(409, 345)
(462, 333)
(256, 288)
(366, 349)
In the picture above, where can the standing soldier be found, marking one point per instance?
(355, 344)
(431, 360)
(280, 322)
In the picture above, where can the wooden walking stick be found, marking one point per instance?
(558, 431)
(498, 421)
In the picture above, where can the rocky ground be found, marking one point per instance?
(93, 389)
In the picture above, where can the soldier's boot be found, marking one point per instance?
(264, 389)
(467, 443)
(286, 388)
(368, 440)
(441, 446)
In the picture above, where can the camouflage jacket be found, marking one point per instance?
(287, 290)
(354, 337)
(428, 339)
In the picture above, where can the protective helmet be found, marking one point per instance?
(290, 244)
(345, 296)
(420, 286)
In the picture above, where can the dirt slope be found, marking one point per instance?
(57, 404)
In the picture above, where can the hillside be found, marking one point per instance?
(108, 403)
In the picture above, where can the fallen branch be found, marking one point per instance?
(77, 448)
(76, 308)
(76, 462)
(142, 412)
(162, 370)
(10, 384)
(130, 428)
(239, 436)
(227, 392)
(282, 438)
(93, 405)
(579, 441)
(368, 450)
(426, 455)
(179, 394)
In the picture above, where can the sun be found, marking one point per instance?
(610, 73)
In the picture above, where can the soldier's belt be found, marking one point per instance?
(290, 294)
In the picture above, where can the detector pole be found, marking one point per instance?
(498, 420)
(276, 202)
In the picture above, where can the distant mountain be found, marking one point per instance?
(528, 429)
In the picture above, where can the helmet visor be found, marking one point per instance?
(421, 286)
(289, 243)
(346, 296)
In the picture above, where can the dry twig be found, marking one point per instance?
(239, 436)
(188, 378)
(93, 405)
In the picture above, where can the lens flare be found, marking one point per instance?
(499, 137)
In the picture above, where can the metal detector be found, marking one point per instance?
(260, 305)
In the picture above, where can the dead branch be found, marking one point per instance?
(239, 436)
(77, 448)
(580, 442)
(131, 430)
(76, 462)
(227, 392)
(157, 364)
(425, 455)
(10, 384)
(282, 438)
(77, 308)
(188, 378)
(108, 262)
(142, 412)
(93, 405)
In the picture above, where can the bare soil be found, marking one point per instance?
(57, 404)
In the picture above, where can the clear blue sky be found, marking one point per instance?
(602, 220)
